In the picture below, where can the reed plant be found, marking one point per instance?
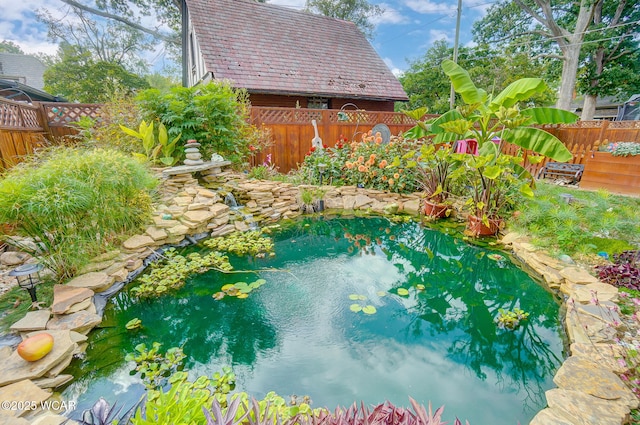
(74, 203)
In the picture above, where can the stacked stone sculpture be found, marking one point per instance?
(194, 157)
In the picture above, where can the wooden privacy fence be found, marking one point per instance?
(291, 131)
(24, 127)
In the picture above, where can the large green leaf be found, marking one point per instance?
(462, 83)
(517, 91)
(550, 116)
(451, 115)
(538, 141)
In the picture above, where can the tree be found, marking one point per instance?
(427, 85)
(79, 77)
(106, 41)
(8, 46)
(562, 23)
(612, 62)
(359, 12)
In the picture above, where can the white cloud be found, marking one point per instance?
(389, 16)
(436, 34)
(294, 4)
(396, 71)
(429, 7)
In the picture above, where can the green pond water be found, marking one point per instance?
(296, 334)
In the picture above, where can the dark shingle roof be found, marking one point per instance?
(272, 49)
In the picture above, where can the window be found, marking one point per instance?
(318, 103)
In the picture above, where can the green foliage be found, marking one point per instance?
(265, 171)
(8, 46)
(155, 145)
(360, 12)
(238, 289)
(154, 367)
(623, 148)
(133, 324)
(510, 319)
(171, 273)
(570, 228)
(76, 203)
(241, 243)
(214, 114)
(79, 77)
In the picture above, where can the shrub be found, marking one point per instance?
(368, 163)
(75, 203)
(216, 115)
(624, 273)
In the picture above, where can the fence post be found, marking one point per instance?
(605, 126)
(326, 126)
(43, 118)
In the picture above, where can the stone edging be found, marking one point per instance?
(589, 391)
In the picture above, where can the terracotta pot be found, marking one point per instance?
(434, 210)
(478, 228)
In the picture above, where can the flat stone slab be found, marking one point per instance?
(586, 328)
(65, 296)
(584, 375)
(16, 369)
(583, 408)
(602, 291)
(577, 275)
(32, 321)
(96, 281)
(138, 241)
(550, 417)
(412, 206)
(604, 354)
(199, 216)
(13, 258)
(22, 392)
(183, 169)
(219, 209)
(55, 382)
(81, 321)
(5, 419)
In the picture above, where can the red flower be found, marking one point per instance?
(313, 149)
(252, 148)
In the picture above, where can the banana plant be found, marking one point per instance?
(487, 118)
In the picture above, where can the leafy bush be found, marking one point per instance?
(622, 148)
(369, 163)
(75, 203)
(214, 114)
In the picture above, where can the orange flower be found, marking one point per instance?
(372, 156)
(370, 162)
(349, 165)
(396, 176)
(383, 163)
(378, 134)
(362, 168)
(391, 182)
(360, 159)
(384, 178)
(378, 140)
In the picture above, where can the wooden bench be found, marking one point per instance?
(557, 170)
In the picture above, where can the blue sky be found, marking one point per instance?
(404, 32)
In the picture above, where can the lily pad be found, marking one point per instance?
(355, 308)
(381, 293)
(420, 287)
(369, 309)
(242, 295)
(133, 324)
(227, 286)
(354, 297)
(403, 292)
(218, 296)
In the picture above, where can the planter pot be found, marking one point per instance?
(617, 174)
(477, 228)
(434, 210)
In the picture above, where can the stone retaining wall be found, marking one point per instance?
(589, 391)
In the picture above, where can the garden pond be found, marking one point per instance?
(351, 309)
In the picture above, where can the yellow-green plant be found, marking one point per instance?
(154, 146)
(75, 203)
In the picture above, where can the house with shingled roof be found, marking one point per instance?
(284, 57)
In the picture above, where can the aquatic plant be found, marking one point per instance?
(133, 324)
(362, 306)
(153, 366)
(242, 243)
(510, 319)
(175, 269)
(238, 289)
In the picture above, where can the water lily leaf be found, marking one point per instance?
(420, 287)
(369, 309)
(403, 291)
(362, 297)
(242, 295)
(133, 324)
(227, 286)
(355, 308)
(354, 297)
(218, 296)
(381, 293)
(260, 282)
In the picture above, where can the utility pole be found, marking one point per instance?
(452, 94)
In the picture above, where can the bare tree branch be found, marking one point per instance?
(161, 36)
